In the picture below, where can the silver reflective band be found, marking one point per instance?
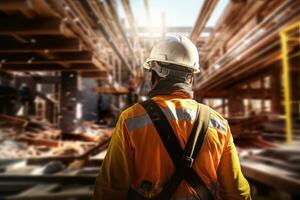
(180, 114)
(215, 123)
(137, 122)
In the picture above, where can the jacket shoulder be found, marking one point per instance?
(217, 121)
(132, 111)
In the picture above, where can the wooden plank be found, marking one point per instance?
(203, 17)
(13, 5)
(69, 57)
(100, 65)
(13, 121)
(111, 5)
(130, 17)
(47, 67)
(94, 74)
(106, 90)
(42, 26)
(29, 8)
(38, 141)
(245, 23)
(62, 58)
(46, 46)
(242, 31)
(232, 20)
(110, 12)
(8, 6)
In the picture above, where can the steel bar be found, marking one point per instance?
(203, 17)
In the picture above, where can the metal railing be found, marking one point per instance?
(288, 35)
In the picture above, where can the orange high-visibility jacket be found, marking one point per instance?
(137, 157)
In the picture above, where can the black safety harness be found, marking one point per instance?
(183, 159)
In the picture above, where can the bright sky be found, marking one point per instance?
(177, 12)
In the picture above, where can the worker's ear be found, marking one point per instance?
(191, 80)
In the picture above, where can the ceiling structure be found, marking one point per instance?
(244, 41)
(91, 37)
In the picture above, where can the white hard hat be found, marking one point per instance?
(178, 50)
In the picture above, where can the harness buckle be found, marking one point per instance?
(188, 161)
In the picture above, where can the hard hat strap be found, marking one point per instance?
(166, 71)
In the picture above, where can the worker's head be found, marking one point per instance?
(175, 58)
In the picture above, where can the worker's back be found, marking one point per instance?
(148, 164)
(158, 168)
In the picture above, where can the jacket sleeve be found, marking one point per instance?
(115, 175)
(233, 185)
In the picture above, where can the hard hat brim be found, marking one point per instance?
(146, 65)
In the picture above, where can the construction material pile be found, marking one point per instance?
(261, 131)
(23, 138)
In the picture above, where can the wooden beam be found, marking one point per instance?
(94, 74)
(130, 17)
(105, 90)
(39, 79)
(29, 8)
(16, 5)
(13, 5)
(14, 121)
(69, 57)
(46, 46)
(108, 9)
(47, 67)
(42, 26)
(112, 8)
(203, 17)
(223, 93)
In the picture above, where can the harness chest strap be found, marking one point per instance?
(183, 159)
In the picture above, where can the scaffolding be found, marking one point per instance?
(288, 35)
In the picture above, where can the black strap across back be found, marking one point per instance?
(183, 159)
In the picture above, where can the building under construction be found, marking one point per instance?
(68, 68)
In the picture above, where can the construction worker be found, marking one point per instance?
(151, 154)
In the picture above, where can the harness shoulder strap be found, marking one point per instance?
(195, 144)
(182, 159)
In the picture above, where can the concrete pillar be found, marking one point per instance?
(68, 99)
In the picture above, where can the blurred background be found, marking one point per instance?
(69, 67)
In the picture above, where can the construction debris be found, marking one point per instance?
(68, 68)
(31, 139)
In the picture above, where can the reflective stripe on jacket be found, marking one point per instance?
(137, 158)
